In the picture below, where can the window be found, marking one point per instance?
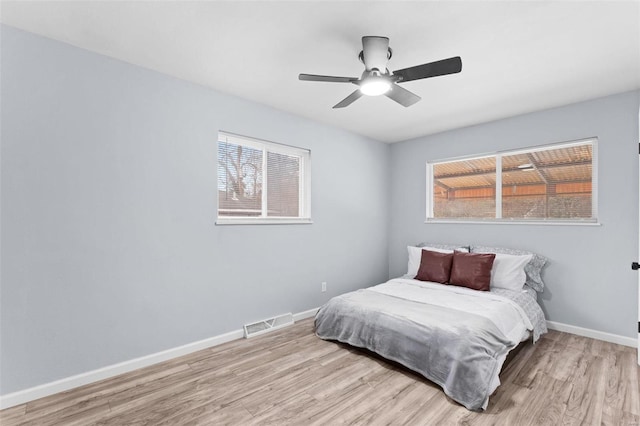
(262, 182)
(555, 183)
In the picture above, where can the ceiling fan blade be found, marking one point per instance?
(402, 96)
(375, 53)
(327, 78)
(432, 69)
(349, 99)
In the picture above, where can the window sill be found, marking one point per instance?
(264, 221)
(516, 222)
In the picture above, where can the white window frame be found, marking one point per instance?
(593, 221)
(304, 187)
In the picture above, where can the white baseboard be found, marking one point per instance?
(36, 392)
(305, 314)
(594, 334)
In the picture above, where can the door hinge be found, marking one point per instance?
(635, 266)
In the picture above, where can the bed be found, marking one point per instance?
(457, 337)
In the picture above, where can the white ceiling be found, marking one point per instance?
(517, 56)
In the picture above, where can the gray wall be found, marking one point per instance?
(109, 248)
(589, 280)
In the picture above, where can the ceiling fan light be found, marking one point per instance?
(375, 86)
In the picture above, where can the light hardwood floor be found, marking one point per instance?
(292, 377)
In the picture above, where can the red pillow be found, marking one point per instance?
(472, 270)
(435, 267)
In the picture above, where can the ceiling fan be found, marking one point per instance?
(378, 80)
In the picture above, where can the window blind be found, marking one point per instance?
(260, 179)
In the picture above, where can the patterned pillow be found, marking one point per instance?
(533, 269)
(455, 247)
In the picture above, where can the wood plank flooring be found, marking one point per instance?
(292, 377)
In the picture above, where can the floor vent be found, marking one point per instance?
(267, 325)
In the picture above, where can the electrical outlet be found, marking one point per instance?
(324, 287)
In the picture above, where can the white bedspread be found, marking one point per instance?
(507, 315)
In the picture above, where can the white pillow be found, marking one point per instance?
(415, 256)
(508, 271)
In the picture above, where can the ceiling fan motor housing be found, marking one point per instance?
(375, 53)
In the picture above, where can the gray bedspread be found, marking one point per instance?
(460, 351)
